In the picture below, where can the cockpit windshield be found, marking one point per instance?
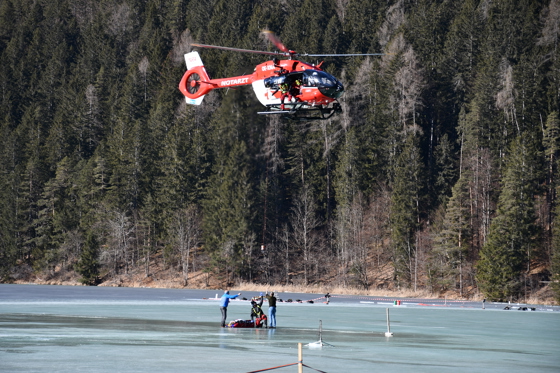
(326, 83)
(314, 78)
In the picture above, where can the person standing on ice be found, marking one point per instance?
(257, 312)
(224, 304)
(271, 310)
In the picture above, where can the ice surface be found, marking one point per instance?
(81, 329)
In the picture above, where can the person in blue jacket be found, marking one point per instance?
(224, 303)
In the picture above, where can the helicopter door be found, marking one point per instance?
(266, 88)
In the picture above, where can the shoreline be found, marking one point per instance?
(279, 289)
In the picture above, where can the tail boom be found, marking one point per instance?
(196, 83)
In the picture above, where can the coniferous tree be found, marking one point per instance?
(227, 210)
(228, 202)
(56, 213)
(9, 201)
(88, 265)
(449, 253)
(405, 210)
(551, 142)
(506, 257)
(93, 130)
(555, 255)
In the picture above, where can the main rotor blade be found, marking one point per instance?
(342, 55)
(239, 50)
(276, 41)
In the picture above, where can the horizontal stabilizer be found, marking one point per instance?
(193, 60)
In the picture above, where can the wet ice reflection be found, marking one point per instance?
(142, 334)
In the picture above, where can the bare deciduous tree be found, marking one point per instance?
(376, 226)
(304, 225)
(181, 45)
(71, 248)
(393, 20)
(285, 241)
(551, 29)
(186, 233)
(341, 9)
(143, 67)
(120, 237)
(249, 243)
(408, 85)
(505, 98)
(120, 21)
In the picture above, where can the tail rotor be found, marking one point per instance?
(193, 83)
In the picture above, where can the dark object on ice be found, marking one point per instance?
(258, 323)
(520, 308)
(310, 301)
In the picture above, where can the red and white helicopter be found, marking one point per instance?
(293, 88)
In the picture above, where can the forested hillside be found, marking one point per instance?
(443, 165)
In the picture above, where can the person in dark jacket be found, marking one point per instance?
(257, 312)
(224, 302)
(271, 309)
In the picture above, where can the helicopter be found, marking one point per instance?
(289, 87)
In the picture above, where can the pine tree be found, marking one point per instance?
(506, 257)
(345, 187)
(228, 205)
(88, 265)
(9, 197)
(448, 256)
(227, 210)
(56, 214)
(462, 52)
(551, 142)
(555, 255)
(405, 209)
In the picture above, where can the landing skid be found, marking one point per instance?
(302, 111)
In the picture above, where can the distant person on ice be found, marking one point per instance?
(224, 303)
(271, 309)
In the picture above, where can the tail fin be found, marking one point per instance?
(194, 84)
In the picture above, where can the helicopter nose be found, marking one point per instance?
(334, 91)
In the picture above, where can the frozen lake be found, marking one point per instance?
(97, 329)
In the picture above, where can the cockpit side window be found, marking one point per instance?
(292, 77)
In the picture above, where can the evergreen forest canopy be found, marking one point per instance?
(442, 167)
